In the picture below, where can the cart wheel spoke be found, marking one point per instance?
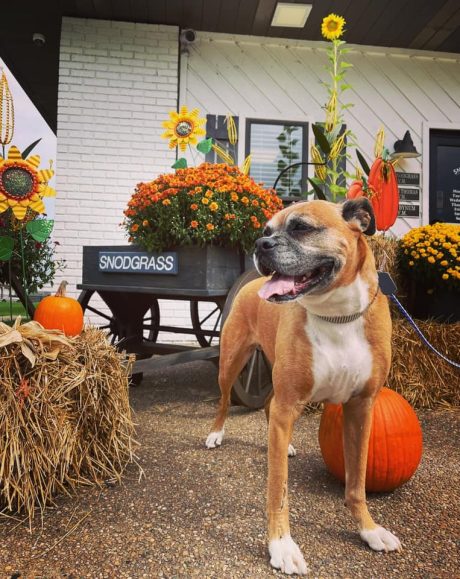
(206, 322)
(99, 313)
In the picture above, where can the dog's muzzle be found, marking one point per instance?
(291, 276)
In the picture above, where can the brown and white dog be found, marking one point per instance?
(329, 340)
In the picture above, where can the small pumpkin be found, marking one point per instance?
(395, 444)
(60, 312)
(385, 199)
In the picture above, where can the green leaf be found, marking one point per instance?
(6, 248)
(40, 229)
(337, 189)
(345, 65)
(180, 164)
(345, 86)
(281, 137)
(204, 146)
(363, 162)
(29, 149)
(321, 139)
(318, 190)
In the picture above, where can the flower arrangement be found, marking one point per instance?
(25, 249)
(211, 203)
(430, 255)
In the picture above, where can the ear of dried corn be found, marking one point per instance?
(65, 417)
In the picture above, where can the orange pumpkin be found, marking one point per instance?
(385, 200)
(60, 312)
(395, 444)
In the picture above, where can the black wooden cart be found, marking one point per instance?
(125, 301)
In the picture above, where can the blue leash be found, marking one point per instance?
(417, 329)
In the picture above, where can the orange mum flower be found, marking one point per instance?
(210, 226)
(193, 206)
(194, 224)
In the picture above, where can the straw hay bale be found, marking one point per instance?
(417, 373)
(65, 417)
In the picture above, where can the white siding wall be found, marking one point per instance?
(117, 81)
(280, 79)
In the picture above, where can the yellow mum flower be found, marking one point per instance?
(445, 276)
(205, 201)
(431, 259)
(444, 262)
(213, 206)
(22, 185)
(332, 26)
(183, 128)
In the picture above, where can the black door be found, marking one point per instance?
(445, 176)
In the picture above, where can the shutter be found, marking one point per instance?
(216, 128)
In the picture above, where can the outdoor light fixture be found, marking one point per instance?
(290, 15)
(405, 148)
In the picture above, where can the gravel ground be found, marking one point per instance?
(200, 513)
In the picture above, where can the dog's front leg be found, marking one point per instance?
(284, 552)
(357, 414)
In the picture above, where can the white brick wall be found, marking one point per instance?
(117, 82)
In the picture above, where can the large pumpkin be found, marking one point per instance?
(395, 444)
(60, 312)
(385, 197)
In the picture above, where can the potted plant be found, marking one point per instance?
(429, 262)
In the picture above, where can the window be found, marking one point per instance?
(278, 149)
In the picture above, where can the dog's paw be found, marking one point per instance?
(214, 439)
(379, 539)
(286, 556)
(291, 450)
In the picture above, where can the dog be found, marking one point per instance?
(325, 326)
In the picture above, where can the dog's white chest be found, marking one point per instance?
(342, 359)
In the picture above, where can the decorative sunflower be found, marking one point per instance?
(332, 26)
(22, 185)
(183, 128)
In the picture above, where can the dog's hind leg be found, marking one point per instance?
(235, 350)
(357, 414)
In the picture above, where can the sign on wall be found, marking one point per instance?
(409, 194)
(409, 210)
(408, 178)
(138, 262)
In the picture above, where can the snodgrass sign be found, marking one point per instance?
(124, 267)
(138, 262)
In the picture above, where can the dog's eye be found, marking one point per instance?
(300, 227)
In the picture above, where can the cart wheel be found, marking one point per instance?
(206, 316)
(254, 383)
(107, 321)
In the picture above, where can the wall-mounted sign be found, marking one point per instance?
(408, 178)
(409, 194)
(454, 200)
(408, 210)
(138, 262)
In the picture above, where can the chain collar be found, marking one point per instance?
(351, 317)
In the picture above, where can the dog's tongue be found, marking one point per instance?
(277, 285)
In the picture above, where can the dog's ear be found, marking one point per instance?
(360, 210)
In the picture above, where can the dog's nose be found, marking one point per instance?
(265, 243)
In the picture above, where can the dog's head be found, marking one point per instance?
(310, 248)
